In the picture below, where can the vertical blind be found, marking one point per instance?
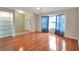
(5, 24)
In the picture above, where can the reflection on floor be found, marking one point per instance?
(52, 42)
(38, 42)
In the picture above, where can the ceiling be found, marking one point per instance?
(42, 9)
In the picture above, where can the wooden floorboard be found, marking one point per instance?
(38, 41)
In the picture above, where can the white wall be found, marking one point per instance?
(71, 25)
(78, 26)
(30, 22)
(78, 22)
(38, 27)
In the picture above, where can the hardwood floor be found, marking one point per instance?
(38, 42)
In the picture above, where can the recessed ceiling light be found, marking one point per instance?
(20, 11)
(38, 8)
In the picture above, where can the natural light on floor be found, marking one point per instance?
(21, 49)
(63, 45)
(52, 42)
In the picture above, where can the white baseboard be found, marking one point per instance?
(21, 33)
(5, 36)
(76, 38)
(71, 36)
(78, 41)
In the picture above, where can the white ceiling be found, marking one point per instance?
(42, 10)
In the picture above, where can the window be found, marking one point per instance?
(52, 22)
(60, 24)
(6, 24)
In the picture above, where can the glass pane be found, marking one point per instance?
(52, 25)
(52, 19)
(60, 24)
